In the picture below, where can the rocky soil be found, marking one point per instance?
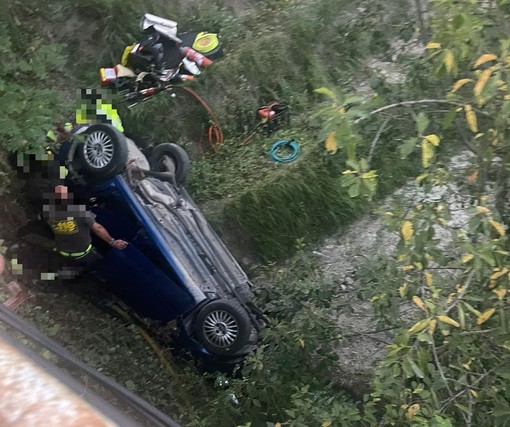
(343, 255)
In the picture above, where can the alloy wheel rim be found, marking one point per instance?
(98, 149)
(221, 328)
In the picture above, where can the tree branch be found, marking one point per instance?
(440, 370)
(369, 332)
(416, 102)
(443, 377)
(376, 139)
(459, 296)
(460, 393)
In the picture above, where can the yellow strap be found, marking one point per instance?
(77, 254)
(125, 54)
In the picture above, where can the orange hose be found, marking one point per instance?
(214, 133)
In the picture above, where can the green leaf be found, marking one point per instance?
(353, 164)
(457, 22)
(504, 374)
(371, 185)
(417, 371)
(463, 408)
(471, 309)
(422, 122)
(462, 316)
(441, 422)
(291, 413)
(423, 337)
(501, 411)
(406, 367)
(348, 180)
(354, 189)
(487, 257)
(407, 147)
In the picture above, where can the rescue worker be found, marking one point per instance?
(72, 225)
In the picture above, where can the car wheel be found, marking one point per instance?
(177, 154)
(104, 152)
(223, 327)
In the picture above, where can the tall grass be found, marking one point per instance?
(300, 205)
(305, 202)
(273, 51)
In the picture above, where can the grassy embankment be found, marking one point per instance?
(273, 52)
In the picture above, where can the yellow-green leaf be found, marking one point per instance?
(402, 290)
(412, 411)
(432, 326)
(433, 139)
(301, 343)
(473, 393)
(331, 146)
(482, 210)
(472, 121)
(419, 326)
(326, 423)
(449, 60)
(448, 320)
(427, 153)
(428, 278)
(325, 91)
(433, 45)
(499, 273)
(369, 175)
(482, 81)
(466, 258)
(485, 58)
(501, 292)
(486, 315)
(471, 118)
(498, 227)
(459, 83)
(421, 177)
(418, 301)
(407, 231)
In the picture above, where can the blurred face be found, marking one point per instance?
(61, 192)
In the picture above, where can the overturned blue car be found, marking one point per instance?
(175, 267)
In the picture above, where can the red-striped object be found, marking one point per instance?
(196, 57)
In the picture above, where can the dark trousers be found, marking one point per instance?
(37, 233)
(72, 267)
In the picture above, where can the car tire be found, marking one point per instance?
(177, 154)
(103, 154)
(223, 327)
